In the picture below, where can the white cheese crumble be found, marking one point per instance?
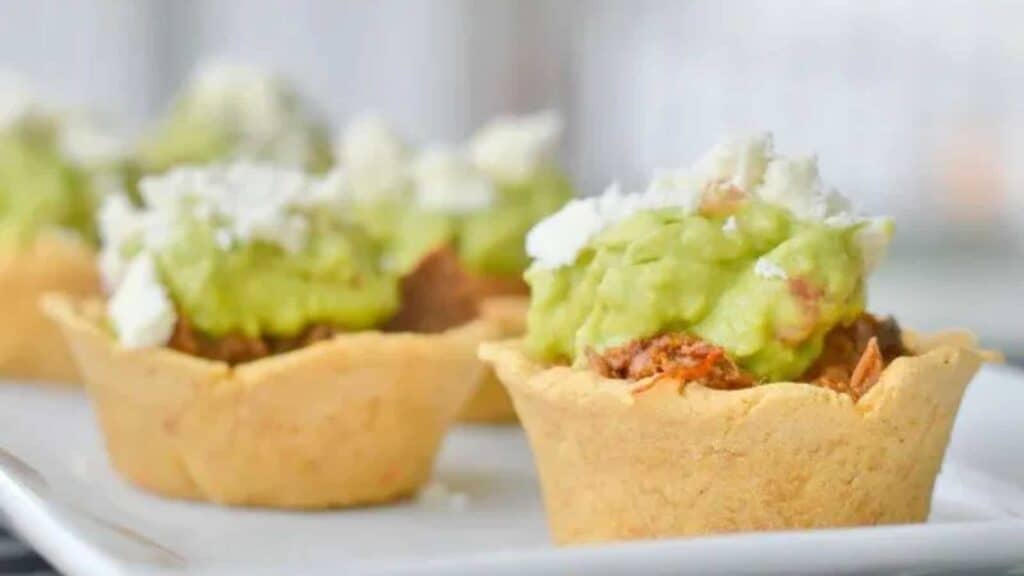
(263, 115)
(374, 157)
(671, 190)
(557, 240)
(244, 202)
(121, 226)
(739, 162)
(511, 148)
(794, 184)
(445, 181)
(437, 496)
(249, 201)
(748, 167)
(730, 225)
(140, 310)
(769, 270)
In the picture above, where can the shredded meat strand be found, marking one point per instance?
(854, 356)
(676, 356)
(868, 370)
(851, 362)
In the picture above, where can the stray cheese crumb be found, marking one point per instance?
(769, 270)
(437, 496)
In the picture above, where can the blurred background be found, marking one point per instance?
(916, 109)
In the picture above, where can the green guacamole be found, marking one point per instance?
(39, 189)
(260, 289)
(489, 242)
(665, 271)
(191, 136)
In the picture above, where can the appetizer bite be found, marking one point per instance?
(454, 221)
(239, 359)
(233, 112)
(54, 167)
(699, 359)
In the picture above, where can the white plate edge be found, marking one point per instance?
(32, 518)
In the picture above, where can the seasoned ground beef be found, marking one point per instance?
(852, 359)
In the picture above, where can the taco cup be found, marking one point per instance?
(241, 357)
(699, 360)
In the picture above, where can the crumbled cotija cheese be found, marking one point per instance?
(445, 181)
(749, 165)
(374, 157)
(512, 148)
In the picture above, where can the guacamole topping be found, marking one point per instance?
(480, 200)
(53, 167)
(746, 250)
(242, 250)
(233, 112)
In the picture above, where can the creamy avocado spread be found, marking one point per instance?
(40, 189)
(259, 288)
(748, 275)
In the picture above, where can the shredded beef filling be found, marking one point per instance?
(851, 361)
(440, 294)
(854, 356)
(436, 295)
(675, 356)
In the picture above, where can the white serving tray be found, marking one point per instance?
(59, 492)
